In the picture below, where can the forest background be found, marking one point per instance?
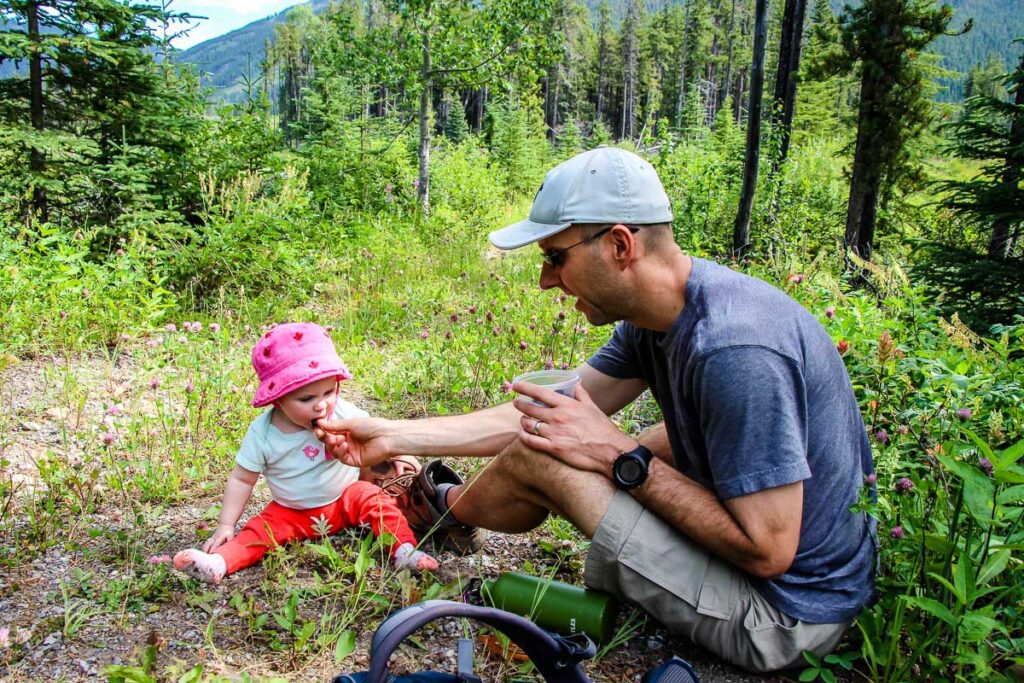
(149, 235)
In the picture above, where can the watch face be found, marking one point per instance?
(630, 470)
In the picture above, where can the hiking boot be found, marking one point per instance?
(428, 521)
(396, 476)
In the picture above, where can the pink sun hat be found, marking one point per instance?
(291, 356)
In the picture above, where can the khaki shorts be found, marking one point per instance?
(637, 556)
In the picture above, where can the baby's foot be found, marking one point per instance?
(407, 557)
(207, 567)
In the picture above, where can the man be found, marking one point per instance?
(731, 521)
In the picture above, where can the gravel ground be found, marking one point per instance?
(187, 624)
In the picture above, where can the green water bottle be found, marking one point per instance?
(553, 605)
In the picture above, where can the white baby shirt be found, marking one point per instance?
(300, 473)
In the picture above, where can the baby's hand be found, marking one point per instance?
(221, 535)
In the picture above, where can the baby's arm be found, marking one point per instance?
(236, 495)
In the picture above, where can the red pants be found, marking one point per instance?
(361, 503)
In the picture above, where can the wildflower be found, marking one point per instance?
(549, 365)
(119, 252)
(871, 479)
(5, 637)
(447, 334)
(986, 466)
(154, 383)
(830, 312)
(214, 327)
(424, 334)
(565, 366)
(197, 326)
(886, 347)
(85, 293)
(183, 339)
(108, 439)
(489, 316)
(189, 388)
(114, 409)
(904, 485)
(843, 346)
(964, 414)
(388, 189)
(152, 343)
(506, 387)
(186, 326)
(882, 437)
(795, 278)
(471, 310)
(561, 315)
(897, 532)
(158, 559)
(171, 327)
(563, 297)
(523, 346)
(202, 526)
(903, 429)
(454, 317)
(63, 315)
(496, 330)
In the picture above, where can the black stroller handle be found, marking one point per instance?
(557, 658)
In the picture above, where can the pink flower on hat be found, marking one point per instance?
(291, 356)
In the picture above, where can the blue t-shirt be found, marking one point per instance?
(755, 396)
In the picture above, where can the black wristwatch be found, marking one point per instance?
(631, 468)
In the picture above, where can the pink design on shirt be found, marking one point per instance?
(311, 452)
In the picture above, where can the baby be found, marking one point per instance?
(299, 373)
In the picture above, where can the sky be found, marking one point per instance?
(224, 16)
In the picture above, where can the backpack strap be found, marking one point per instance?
(557, 658)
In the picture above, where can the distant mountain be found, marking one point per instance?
(223, 61)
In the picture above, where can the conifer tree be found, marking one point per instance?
(97, 125)
(992, 132)
(882, 41)
(456, 128)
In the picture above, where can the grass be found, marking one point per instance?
(119, 422)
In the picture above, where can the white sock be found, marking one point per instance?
(207, 567)
(407, 557)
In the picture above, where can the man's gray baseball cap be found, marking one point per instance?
(604, 185)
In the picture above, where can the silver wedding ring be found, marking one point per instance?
(536, 427)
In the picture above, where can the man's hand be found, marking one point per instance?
(573, 430)
(221, 535)
(359, 442)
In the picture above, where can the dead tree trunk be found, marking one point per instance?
(423, 182)
(784, 99)
(1000, 244)
(741, 229)
(37, 162)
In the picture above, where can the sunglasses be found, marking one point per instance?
(556, 257)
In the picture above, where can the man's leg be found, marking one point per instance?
(515, 491)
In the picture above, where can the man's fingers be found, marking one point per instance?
(545, 396)
(333, 426)
(527, 407)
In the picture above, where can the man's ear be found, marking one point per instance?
(625, 244)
